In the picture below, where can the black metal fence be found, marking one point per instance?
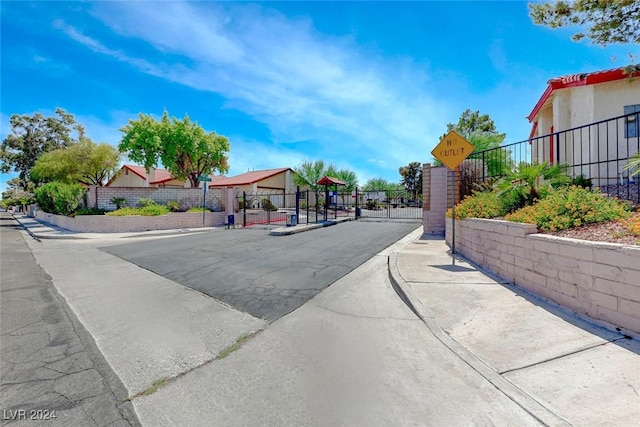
(315, 206)
(597, 151)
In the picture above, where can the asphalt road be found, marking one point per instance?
(265, 276)
(50, 369)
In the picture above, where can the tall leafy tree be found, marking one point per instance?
(412, 179)
(15, 195)
(85, 162)
(377, 184)
(473, 122)
(606, 22)
(345, 175)
(308, 173)
(480, 130)
(32, 136)
(182, 146)
(498, 160)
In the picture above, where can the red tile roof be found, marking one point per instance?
(246, 178)
(161, 174)
(573, 80)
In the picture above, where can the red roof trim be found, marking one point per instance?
(135, 169)
(574, 80)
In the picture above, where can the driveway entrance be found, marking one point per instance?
(266, 276)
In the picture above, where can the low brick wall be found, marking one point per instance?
(124, 224)
(601, 280)
(186, 197)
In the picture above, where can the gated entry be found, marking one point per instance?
(314, 206)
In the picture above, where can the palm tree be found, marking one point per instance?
(528, 183)
(634, 162)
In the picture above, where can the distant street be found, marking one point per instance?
(51, 369)
(264, 275)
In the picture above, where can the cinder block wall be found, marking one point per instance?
(601, 280)
(434, 196)
(187, 197)
(124, 224)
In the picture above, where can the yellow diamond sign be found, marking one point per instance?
(452, 150)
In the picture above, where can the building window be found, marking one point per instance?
(632, 113)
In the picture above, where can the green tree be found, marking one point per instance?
(412, 179)
(85, 162)
(379, 184)
(32, 136)
(183, 146)
(308, 173)
(498, 161)
(606, 22)
(14, 195)
(345, 175)
(471, 122)
(480, 130)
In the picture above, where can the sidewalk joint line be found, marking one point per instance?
(560, 356)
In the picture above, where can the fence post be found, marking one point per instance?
(298, 203)
(308, 202)
(244, 209)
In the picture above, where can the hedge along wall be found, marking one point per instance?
(187, 197)
(601, 280)
(134, 223)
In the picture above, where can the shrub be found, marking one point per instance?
(582, 181)
(59, 198)
(480, 205)
(120, 202)
(633, 223)
(153, 210)
(571, 207)
(173, 205)
(144, 202)
(198, 209)
(268, 206)
(91, 211)
(530, 183)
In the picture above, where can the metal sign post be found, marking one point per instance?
(451, 151)
(204, 179)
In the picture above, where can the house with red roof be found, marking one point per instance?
(579, 102)
(137, 176)
(262, 181)
(270, 184)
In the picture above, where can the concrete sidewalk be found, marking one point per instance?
(557, 365)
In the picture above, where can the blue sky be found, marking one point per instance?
(368, 86)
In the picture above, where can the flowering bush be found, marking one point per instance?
(571, 207)
(480, 205)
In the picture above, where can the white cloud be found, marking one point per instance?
(302, 84)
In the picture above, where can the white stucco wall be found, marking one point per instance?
(613, 96)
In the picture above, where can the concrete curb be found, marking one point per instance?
(520, 397)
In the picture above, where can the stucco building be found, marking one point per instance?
(589, 120)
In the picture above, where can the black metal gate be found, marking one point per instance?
(390, 204)
(316, 206)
